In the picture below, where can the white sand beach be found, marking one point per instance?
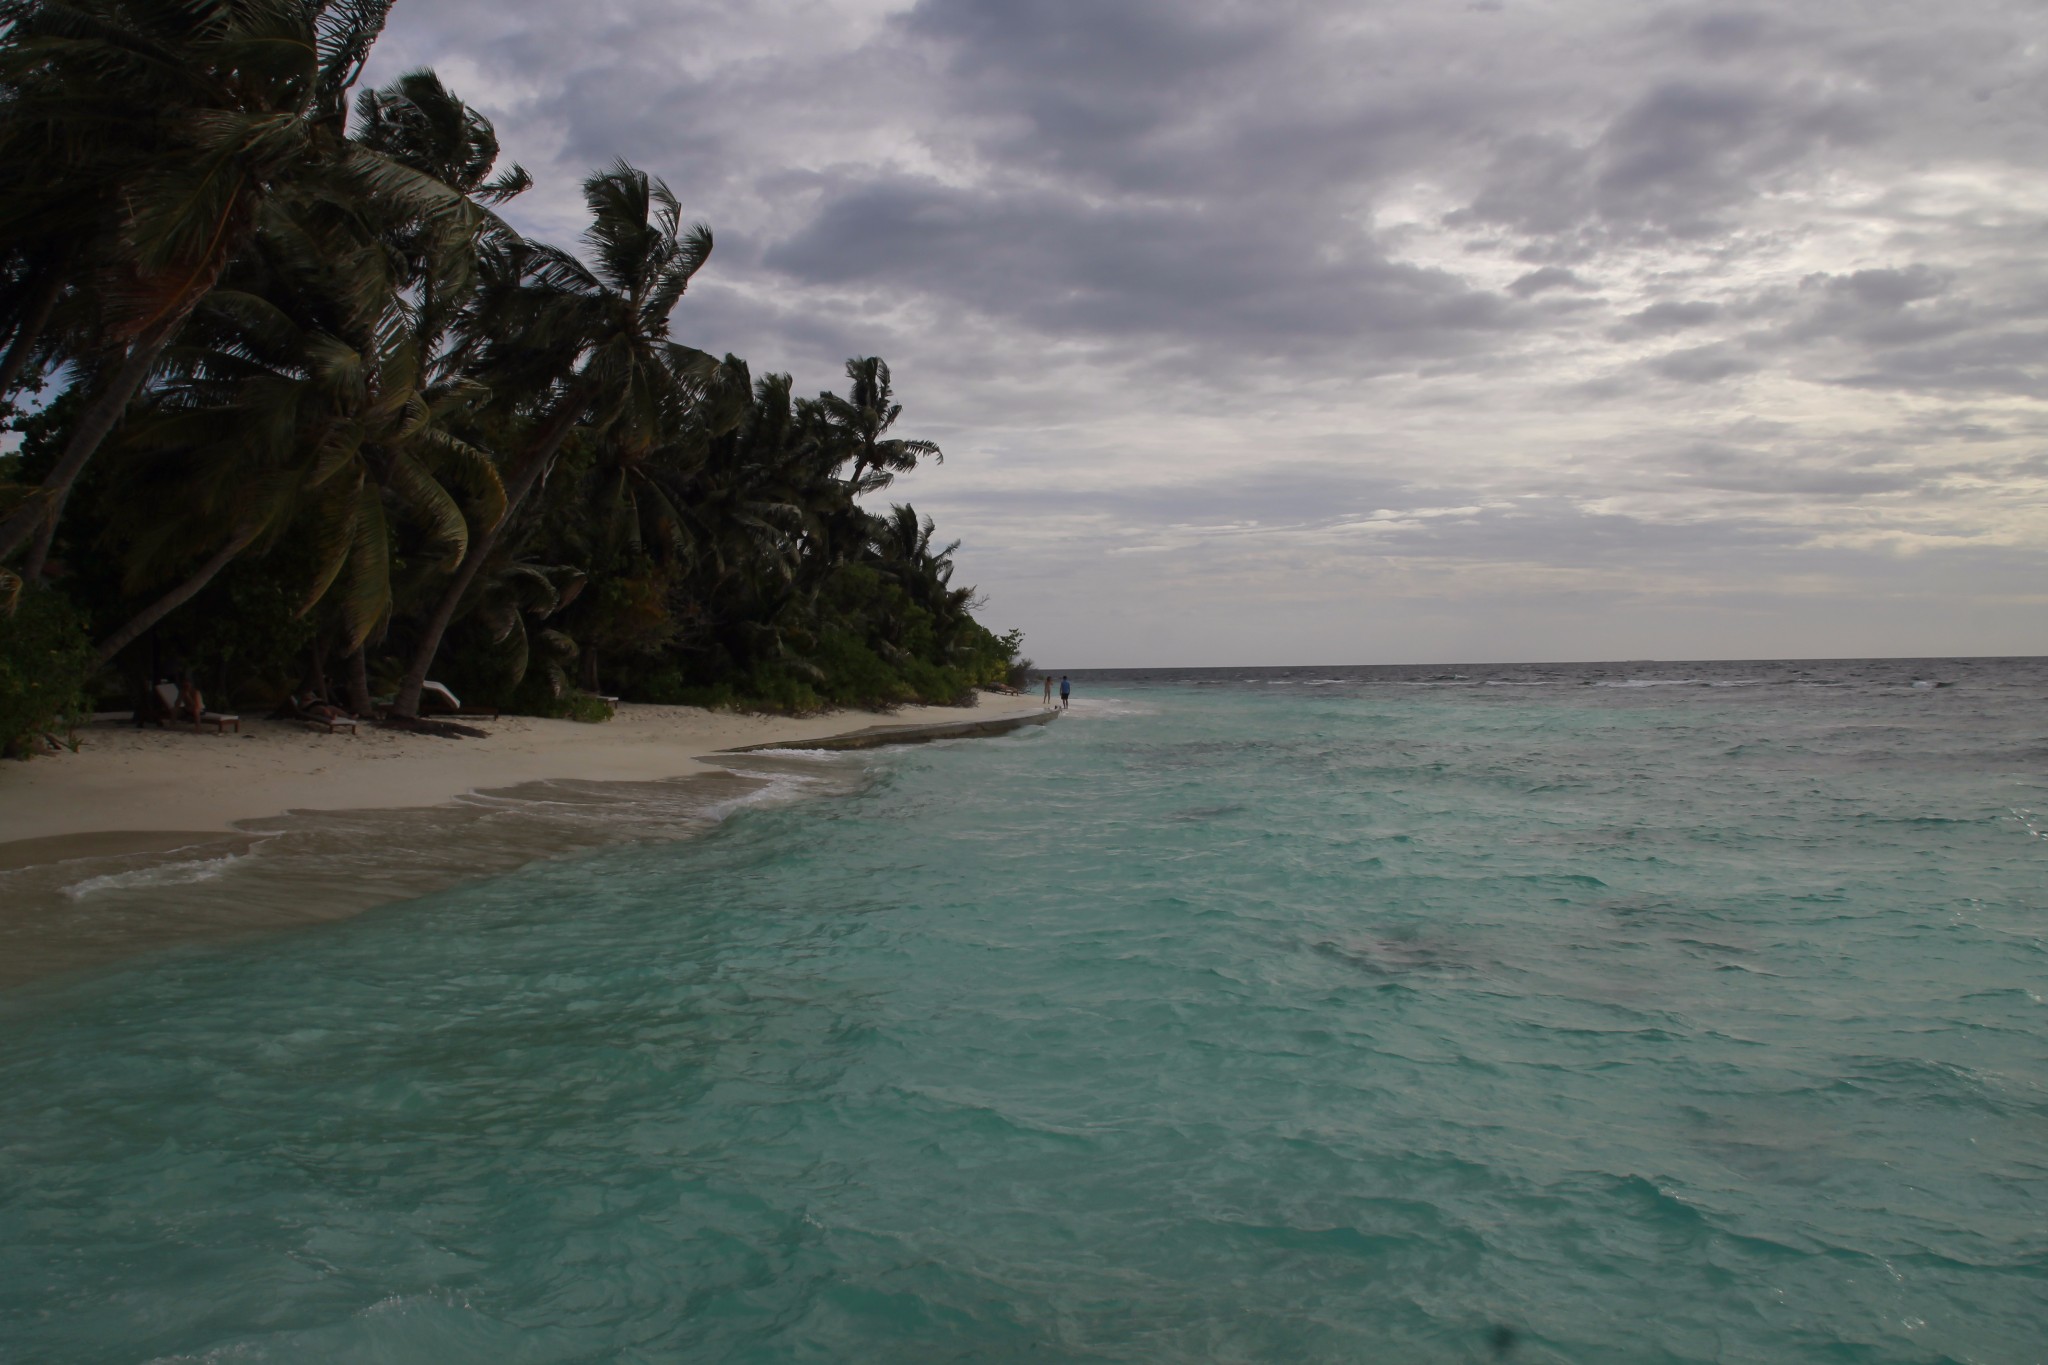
(124, 780)
(148, 838)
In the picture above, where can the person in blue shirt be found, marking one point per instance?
(1066, 691)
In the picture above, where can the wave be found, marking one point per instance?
(1110, 708)
(315, 866)
(179, 873)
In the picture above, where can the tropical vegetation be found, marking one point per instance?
(298, 409)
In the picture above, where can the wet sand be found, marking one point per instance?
(146, 838)
(152, 780)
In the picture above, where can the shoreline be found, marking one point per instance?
(149, 782)
(147, 839)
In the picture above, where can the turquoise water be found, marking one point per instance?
(1305, 1016)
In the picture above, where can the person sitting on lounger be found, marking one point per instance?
(191, 706)
(310, 704)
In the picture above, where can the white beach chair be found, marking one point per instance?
(437, 700)
(167, 700)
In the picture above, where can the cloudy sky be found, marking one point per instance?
(1383, 331)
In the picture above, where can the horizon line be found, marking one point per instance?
(1565, 663)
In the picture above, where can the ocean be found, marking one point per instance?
(1633, 1012)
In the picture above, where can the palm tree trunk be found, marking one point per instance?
(554, 431)
(30, 332)
(359, 683)
(176, 597)
(39, 553)
(316, 668)
(46, 504)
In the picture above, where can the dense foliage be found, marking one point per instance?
(299, 409)
(44, 659)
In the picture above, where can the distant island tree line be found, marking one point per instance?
(299, 411)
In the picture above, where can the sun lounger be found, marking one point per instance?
(315, 712)
(167, 702)
(437, 700)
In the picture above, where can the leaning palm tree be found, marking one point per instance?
(274, 424)
(312, 378)
(592, 342)
(244, 101)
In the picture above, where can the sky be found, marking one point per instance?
(1371, 331)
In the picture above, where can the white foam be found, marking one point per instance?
(159, 874)
(1110, 708)
(776, 789)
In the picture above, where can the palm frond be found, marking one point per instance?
(424, 494)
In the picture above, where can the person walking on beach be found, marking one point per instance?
(1066, 692)
(1048, 691)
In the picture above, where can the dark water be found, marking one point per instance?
(1613, 1013)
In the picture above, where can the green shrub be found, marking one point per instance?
(45, 659)
(772, 687)
(855, 675)
(535, 697)
(591, 710)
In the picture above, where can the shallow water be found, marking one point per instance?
(101, 902)
(1625, 1013)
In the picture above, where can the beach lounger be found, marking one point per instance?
(437, 700)
(167, 701)
(295, 708)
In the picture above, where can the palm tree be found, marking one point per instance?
(276, 421)
(862, 421)
(309, 377)
(593, 341)
(315, 348)
(242, 102)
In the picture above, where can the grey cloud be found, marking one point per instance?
(1069, 266)
(1394, 239)
(1877, 307)
(1548, 277)
(1727, 33)
(1676, 163)
(1206, 524)
(1885, 288)
(1705, 364)
(2004, 362)
(1748, 471)
(1672, 316)
(1911, 327)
